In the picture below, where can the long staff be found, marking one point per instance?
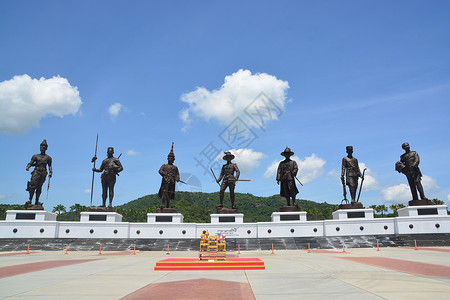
(93, 172)
(360, 188)
(214, 175)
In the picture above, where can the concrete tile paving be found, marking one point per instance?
(289, 274)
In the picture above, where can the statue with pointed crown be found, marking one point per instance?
(170, 176)
(38, 175)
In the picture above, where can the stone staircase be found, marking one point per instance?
(261, 244)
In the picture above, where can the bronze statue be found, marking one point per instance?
(170, 175)
(350, 173)
(286, 175)
(110, 167)
(409, 165)
(38, 175)
(228, 178)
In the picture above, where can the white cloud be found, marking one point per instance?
(114, 110)
(308, 169)
(87, 191)
(24, 101)
(402, 192)
(370, 183)
(131, 152)
(238, 91)
(397, 193)
(334, 173)
(448, 198)
(429, 184)
(2, 197)
(246, 159)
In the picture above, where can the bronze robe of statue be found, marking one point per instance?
(287, 170)
(170, 175)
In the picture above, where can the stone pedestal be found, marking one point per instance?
(100, 217)
(30, 215)
(166, 210)
(164, 218)
(423, 210)
(289, 208)
(101, 209)
(342, 214)
(227, 218)
(351, 205)
(289, 216)
(419, 202)
(225, 210)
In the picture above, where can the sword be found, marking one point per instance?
(360, 188)
(93, 172)
(298, 180)
(239, 179)
(345, 192)
(182, 182)
(214, 175)
(48, 187)
(118, 158)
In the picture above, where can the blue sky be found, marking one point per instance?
(141, 74)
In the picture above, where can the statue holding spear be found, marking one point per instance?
(110, 167)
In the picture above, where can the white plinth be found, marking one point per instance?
(290, 216)
(362, 213)
(227, 218)
(29, 215)
(165, 218)
(423, 210)
(100, 217)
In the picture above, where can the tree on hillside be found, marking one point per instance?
(374, 207)
(395, 208)
(59, 209)
(2, 212)
(77, 208)
(436, 201)
(382, 208)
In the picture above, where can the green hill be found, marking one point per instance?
(197, 207)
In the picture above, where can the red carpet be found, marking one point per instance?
(189, 264)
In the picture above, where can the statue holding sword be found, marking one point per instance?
(228, 175)
(170, 176)
(286, 175)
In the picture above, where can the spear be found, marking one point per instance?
(93, 172)
(214, 175)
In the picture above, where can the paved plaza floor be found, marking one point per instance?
(391, 273)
